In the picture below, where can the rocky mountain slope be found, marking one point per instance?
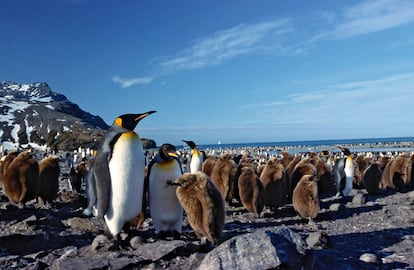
(34, 113)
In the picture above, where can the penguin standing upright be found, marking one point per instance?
(197, 157)
(165, 209)
(344, 170)
(118, 173)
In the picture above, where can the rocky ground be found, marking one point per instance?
(362, 232)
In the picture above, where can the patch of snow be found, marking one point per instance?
(50, 107)
(61, 120)
(24, 87)
(28, 128)
(42, 99)
(15, 131)
(65, 128)
(35, 113)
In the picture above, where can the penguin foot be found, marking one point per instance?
(169, 235)
(205, 246)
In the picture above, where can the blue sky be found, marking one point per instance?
(229, 71)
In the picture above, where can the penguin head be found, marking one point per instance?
(191, 144)
(345, 151)
(167, 152)
(129, 121)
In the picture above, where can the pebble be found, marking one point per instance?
(369, 258)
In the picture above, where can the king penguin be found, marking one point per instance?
(197, 157)
(344, 170)
(165, 209)
(118, 173)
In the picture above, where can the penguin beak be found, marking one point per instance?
(172, 154)
(172, 183)
(143, 115)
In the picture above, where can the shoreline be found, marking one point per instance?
(390, 146)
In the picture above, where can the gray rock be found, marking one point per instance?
(369, 258)
(135, 242)
(318, 240)
(159, 249)
(81, 224)
(101, 243)
(263, 249)
(335, 207)
(358, 199)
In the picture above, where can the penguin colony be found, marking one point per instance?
(122, 188)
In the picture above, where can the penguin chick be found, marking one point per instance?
(326, 184)
(197, 157)
(397, 173)
(371, 179)
(118, 173)
(77, 176)
(48, 184)
(273, 178)
(203, 204)
(165, 209)
(302, 168)
(208, 165)
(251, 191)
(5, 162)
(305, 197)
(20, 177)
(223, 176)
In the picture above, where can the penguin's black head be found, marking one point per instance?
(130, 120)
(345, 150)
(190, 143)
(167, 151)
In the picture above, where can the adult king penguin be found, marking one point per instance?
(344, 170)
(197, 157)
(118, 170)
(165, 209)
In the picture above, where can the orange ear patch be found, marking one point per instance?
(118, 121)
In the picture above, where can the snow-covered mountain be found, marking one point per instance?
(34, 113)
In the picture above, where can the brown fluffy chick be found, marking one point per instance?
(305, 197)
(203, 204)
(251, 191)
(20, 177)
(48, 185)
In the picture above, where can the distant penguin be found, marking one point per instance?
(48, 184)
(289, 169)
(251, 191)
(92, 207)
(344, 170)
(77, 175)
(302, 168)
(286, 158)
(371, 179)
(273, 178)
(20, 177)
(165, 209)
(197, 157)
(118, 173)
(203, 204)
(224, 176)
(208, 165)
(305, 197)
